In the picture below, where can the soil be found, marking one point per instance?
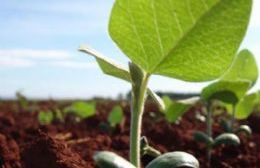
(25, 143)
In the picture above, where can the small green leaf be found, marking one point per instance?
(107, 159)
(175, 111)
(167, 102)
(116, 116)
(225, 91)
(108, 66)
(174, 160)
(227, 139)
(243, 68)
(45, 117)
(157, 100)
(187, 40)
(244, 129)
(202, 137)
(246, 106)
(82, 109)
(146, 149)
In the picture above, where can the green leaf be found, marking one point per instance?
(244, 129)
(107, 159)
(108, 66)
(112, 68)
(157, 99)
(174, 160)
(167, 102)
(225, 91)
(202, 137)
(246, 106)
(45, 117)
(184, 39)
(175, 111)
(227, 139)
(82, 109)
(116, 116)
(244, 68)
(146, 149)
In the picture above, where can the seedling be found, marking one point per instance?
(45, 117)
(240, 111)
(23, 103)
(81, 109)
(116, 116)
(230, 89)
(172, 39)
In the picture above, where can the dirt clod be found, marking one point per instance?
(9, 153)
(45, 151)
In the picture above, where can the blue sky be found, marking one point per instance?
(39, 57)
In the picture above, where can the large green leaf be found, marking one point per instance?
(192, 40)
(226, 91)
(246, 106)
(243, 68)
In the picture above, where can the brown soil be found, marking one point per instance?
(24, 143)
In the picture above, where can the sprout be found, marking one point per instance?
(81, 109)
(164, 38)
(230, 89)
(116, 116)
(45, 117)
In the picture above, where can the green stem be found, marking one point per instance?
(137, 108)
(209, 130)
(233, 118)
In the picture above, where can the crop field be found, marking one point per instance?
(192, 41)
(68, 142)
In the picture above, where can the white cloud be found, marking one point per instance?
(75, 64)
(6, 62)
(35, 54)
(13, 58)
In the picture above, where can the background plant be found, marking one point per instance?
(229, 89)
(171, 38)
(81, 109)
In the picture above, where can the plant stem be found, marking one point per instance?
(137, 108)
(233, 118)
(209, 130)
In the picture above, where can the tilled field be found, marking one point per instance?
(24, 143)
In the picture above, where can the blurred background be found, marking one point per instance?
(39, 57)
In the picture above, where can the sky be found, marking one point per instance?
(39, 57)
